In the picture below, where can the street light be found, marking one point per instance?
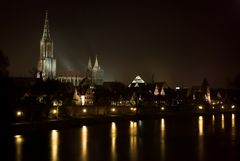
(19, 113)
(54, 111)
(56, 104)
(113, 109)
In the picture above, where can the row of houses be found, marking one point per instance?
(141, 93)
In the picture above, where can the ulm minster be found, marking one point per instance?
(51, 95)
(46, 68)
(119, 82)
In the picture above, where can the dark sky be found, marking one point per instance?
(180, 42)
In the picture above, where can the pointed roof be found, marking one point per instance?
(162, 93)
(156, 91)
(219, 96)
(46, 31)
(76, 96)
(89, 64)
(138, 79)
(96, 66)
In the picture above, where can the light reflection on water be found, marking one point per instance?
(208, 130)
(233, 120)
(84, 141)
(133, 140)
(113, 146)
(54, 145)
(200, 138)
(233, 132)
(162, 139)
(213, 123)
(222, 122)
(200, 126)
(18, 144)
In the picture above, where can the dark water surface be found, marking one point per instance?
(187, 137)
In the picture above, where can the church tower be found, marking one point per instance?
(89, 69)
(47, 62)
(97, 74)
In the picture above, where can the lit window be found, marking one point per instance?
(200, 107)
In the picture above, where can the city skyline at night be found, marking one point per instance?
(180, 43)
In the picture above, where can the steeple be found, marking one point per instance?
(46, 44)
(97, 74)
(89, 64)
(46, 31)
(47, 62)
(156, 91)
(96, 66)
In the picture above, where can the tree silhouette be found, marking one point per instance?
(4, 64)
(6, 96)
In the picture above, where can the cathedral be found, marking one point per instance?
(95, 73)
(47, 63)
(46, 68)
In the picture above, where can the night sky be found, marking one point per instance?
(180, 42)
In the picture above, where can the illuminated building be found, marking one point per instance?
(201, 93)
(156, 91)
(96, 73)
(46, 68)
(137, 81)
(84, 98)
(46, 63)
(69, 77)
(89, 96)
(206, 91)
(76, 98)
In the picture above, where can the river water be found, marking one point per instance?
(185, 137)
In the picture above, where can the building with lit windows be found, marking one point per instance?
(46, 63)
(69, 77)
(83, 97)
(46, 68)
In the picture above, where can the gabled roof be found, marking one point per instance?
(138, 79)
(137, 82)
(75, 95)
(158, 85)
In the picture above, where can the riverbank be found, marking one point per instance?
(25, 127)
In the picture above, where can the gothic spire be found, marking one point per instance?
(89, 64)
(46, 31)
(96, 66)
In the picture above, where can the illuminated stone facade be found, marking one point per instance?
(75, 79)
(47, 62)
(83, 98)
(95, 73)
